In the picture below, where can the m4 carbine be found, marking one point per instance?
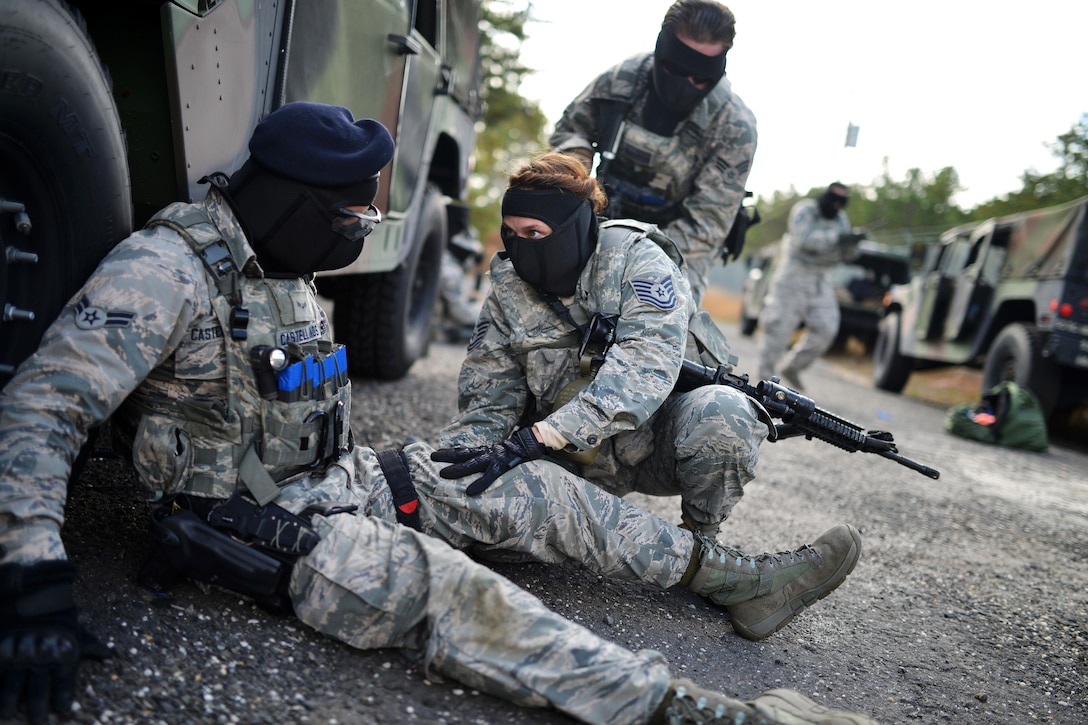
(799, 415)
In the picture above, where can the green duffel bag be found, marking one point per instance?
(1008, 415)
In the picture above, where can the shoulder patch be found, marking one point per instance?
(657, 292)
(89, 317)
(478, 334)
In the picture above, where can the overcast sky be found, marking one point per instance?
(981, 86)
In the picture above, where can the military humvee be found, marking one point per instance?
(110, 111)
(1009, 295)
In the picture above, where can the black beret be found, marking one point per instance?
(322, 145)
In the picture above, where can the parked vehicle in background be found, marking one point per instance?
(1009, 295)
(860, 286)
(110, 111)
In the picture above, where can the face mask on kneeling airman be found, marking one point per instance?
(553, 261)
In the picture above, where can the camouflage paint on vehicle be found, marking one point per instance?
(1028, 270)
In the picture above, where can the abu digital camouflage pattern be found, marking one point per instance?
(802, 290)
(691, 183)
(372, 583)
(701, 445)
(368, 581)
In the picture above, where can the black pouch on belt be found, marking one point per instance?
(236, 544)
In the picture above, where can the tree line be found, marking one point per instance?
(915, 210)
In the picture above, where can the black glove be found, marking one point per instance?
(746, 218)
(41, 640)
(492, 461)
(853, 237)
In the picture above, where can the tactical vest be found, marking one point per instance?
(276, 424)
(651, 174)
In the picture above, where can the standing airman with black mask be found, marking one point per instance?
(676, 142)
(818, 236)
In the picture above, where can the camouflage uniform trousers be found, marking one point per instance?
(373, 583)
(806, 297)
(702, 445)
(451, 289)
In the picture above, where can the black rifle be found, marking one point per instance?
(799, 414)
(610, 127)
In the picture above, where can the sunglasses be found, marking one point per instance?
(675, 70)
(356, 224)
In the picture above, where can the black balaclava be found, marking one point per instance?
(307, 162)
(296, 229)
(672, 89)
(828, 200)
(552, 263)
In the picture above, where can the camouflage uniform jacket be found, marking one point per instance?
(691, 183)
(523, 354)
(146, 341)
(811, 246)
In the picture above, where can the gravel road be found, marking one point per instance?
(968, 605)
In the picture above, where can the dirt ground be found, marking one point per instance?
(968, 604)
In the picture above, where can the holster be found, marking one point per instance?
(236, 544)
(189, 546)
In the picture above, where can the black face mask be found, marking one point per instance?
(674, 62)
(555, 262)
(296, 229)
(829, 203)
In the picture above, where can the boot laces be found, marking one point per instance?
(693, 709)
(761, 562)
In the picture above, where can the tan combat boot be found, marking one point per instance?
(837, 549)
(688, 704)
(789, 707)
(727, 576)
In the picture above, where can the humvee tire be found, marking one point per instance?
(890, 369)
(62, 156)
(384, 319)
(1016, 355)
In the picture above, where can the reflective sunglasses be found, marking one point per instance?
(354, 225)
(674, 70)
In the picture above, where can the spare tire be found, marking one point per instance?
(62, 157)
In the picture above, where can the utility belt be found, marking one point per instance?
(637, 194)
(236, 544)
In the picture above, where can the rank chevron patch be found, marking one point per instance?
(89, 317)
(657, 292)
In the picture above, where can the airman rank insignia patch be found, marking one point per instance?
(89, 317)
(478, 334)
(657, 292)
